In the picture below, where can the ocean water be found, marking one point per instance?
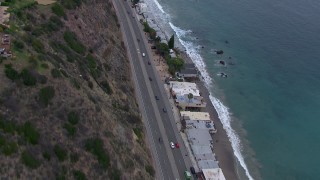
(269, 104)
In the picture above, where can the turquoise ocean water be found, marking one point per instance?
(272, 94)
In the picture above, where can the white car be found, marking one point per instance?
(143, 54)
(172, 145)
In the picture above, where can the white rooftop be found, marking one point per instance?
(199, 137)
(196, 115)
(183, 88)
(198, 149)
(207, 164)
(205, 156)
(213, 174)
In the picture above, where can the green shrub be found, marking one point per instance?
(74, 157)
(46, 155)
(60, 152)
(116, 174)
(58, 9)
(55, 73)
(5, 4)
(42, 79)
(73, 117)
(70, 129)
(29, 160)
(138, 132)
(75, 83)
(73, 42)
(95, 146)
(18, 45)
(46, 94)
(8, 126)
(9, 148)
(30, 133)
(45, 65)
(11, 73)
(54, 24)
(38, 46)
(150, 170)
(27, 78)
(106, 87)
(2, 141)
(91, 61)
(78, 175)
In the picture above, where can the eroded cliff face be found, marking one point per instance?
(67, 103)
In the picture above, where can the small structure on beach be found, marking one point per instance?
(142, 8)
(213, 173)
(189, 71)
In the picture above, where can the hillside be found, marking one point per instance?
(67, 104)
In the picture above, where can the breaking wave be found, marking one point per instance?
(193, 52)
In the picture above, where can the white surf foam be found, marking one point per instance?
(222, 110)
(193, 52)
(159, 6)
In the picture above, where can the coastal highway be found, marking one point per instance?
(170, 163)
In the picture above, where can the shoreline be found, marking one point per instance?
(222, 145)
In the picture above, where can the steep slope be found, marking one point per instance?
(67, 105)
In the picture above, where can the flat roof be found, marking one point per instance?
(198, 149)
(204, 116)
(184, 88)
(199, 137)
(200, 124)
(184, 99)
(213, 174)
(188, 71)
(208, 164)
(205, 156)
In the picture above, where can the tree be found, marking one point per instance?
(163, 48)
(178, 63)
(171, 42)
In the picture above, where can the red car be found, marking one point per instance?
(177, 145)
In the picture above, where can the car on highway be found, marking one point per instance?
(149, 62)
(143, 54)
(172, 145)
(177, 145)
(157, 98)
(150, 78)
(164, 110)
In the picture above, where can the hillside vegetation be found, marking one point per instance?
(67, 104)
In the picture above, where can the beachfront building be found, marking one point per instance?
(186, 95)
(189, 71)
(197, 120)
(201, 145)
(199, 137)
(213, 174)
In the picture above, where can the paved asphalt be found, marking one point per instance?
(170, 163)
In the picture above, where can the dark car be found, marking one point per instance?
(149, 62)
(164, 110)
(192, 170)
(157, 98)
(150, 78)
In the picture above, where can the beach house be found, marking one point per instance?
(186, 95)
